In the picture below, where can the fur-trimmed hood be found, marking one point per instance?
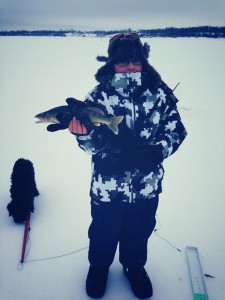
(127, 47)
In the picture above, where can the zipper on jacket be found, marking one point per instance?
(132, 171)
(133, 113)
(131, 189)
(131, 198)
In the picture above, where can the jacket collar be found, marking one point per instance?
(127, 83)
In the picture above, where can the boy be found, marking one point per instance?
(127, 168)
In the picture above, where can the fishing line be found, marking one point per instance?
(162, 238)
(58, 256)
(20, 265)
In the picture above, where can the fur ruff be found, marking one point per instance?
(126, 50)
(22, 191)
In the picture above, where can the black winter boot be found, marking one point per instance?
(96, 282)
(140, 282)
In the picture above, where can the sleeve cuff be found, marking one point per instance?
(84, 137)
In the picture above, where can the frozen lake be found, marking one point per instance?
(38, 73)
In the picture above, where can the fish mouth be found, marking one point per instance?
(41, 120)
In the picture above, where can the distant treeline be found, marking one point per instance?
(172, 32)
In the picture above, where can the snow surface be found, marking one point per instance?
(38, 73)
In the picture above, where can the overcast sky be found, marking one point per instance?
(113, 14)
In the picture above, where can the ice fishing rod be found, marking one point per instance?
(25, 237)
(175, 87)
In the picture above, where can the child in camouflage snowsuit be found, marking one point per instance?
(127, 168)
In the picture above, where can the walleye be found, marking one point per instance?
(88, 114)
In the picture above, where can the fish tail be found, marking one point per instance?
(113, 124)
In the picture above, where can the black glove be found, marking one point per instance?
(109, 165)
(133, 152)
(146, 157)
(64, 119)
(55, 127)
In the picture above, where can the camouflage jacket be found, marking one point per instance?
(153, 116)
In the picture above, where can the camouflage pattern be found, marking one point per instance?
(153, 116)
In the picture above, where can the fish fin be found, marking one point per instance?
(114, 121)
(96, 123)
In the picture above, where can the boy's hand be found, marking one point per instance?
(76, 127)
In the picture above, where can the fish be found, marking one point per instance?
(88, 114)
(51, 115)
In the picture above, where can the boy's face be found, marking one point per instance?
(128, 67)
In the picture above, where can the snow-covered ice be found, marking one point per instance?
(38, 73)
